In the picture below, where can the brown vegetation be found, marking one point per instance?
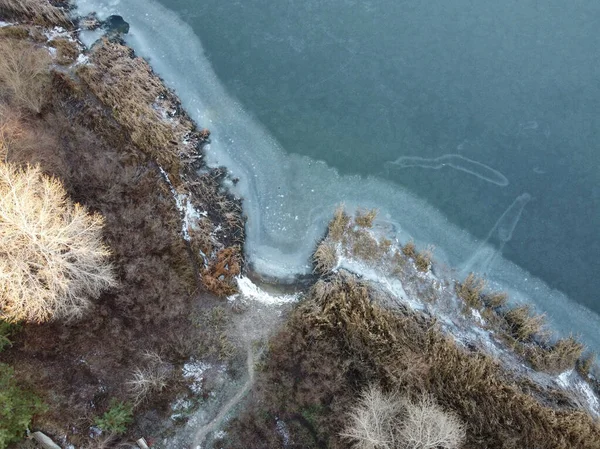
(325, 257)
(92, 150)
(522, 324)
(471, 291)
(128, 86)
(67, 51)
(364, 218)
(339, 224)
(24, 74)
(402, 351)
(40, 12)
(219, 277)
(422, 259)
(555, 358)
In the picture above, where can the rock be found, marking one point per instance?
(44, 440)
(116, 25)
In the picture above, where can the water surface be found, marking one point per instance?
(470, 125)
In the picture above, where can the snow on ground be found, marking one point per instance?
(390, 284)
(248, 290)
(571, 381)
(58, 33)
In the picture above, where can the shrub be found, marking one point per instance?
(556, 358)
(339, 225)
(470, 291)
(584, 364)
(6, 331)
(386, 421)
(373, 422)
(150, 379)
(52, 258)
(116, 419)
(17, 408)
(325, 257)
(364, 219)
(522, 324)
(425, 425)
(24, 74)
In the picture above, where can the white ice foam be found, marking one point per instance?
(248, 290)
(288, 198)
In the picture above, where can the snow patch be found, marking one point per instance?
(571, 381)
(250, 291)
(82, 59)
(189, 214)
(195, 370)
(390, 284)
(58, 32)
(5, 24)
(283, 430)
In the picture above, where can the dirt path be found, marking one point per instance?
(212, 425)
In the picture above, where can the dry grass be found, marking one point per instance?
(325, 257)
(495, 300)
(522, 324)
(219, 277)
(53, 258)
(363, 344)
(584, 364)
(365, 246)
(67, 51)
(14, 32)
(24, 74)
(410, 250)
(364, 218)
(423, 260)
(339, 225)
(471, 291)
(150, 379)
(39, 11)
(127, 85)
(557, 357)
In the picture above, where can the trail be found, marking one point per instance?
(212, 425)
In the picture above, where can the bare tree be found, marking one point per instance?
(52, 259)
(425, 425)
(24, 74)
(387, 421)
(374, 420)
(152, 378)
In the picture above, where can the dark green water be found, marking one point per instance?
(513, 85)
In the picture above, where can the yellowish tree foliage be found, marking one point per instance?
(52, 259)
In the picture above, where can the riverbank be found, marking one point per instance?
(109, 130)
